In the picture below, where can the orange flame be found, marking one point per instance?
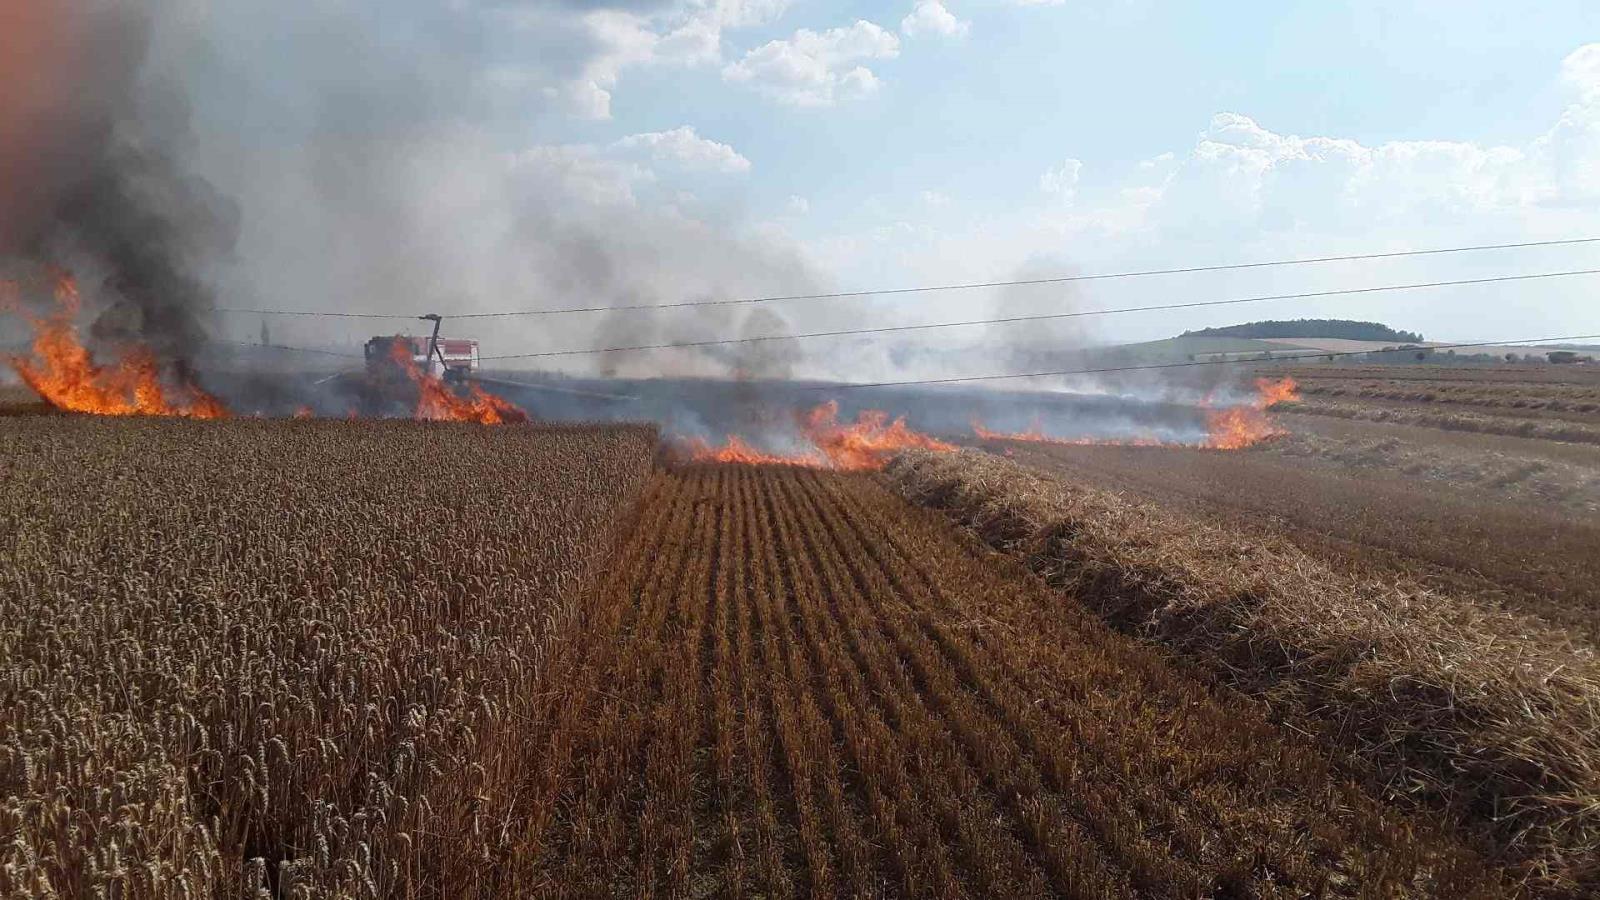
(1230, 428)
(64, 372)
(1237, 427)
(437, 402)
(737, 451)
(868, 443)
(865, 445)
(1270, 392)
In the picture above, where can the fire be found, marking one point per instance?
(436, 401)
(1237, 427)
(1228, 428)
(868, 443)
(64, 372)
(864, 445)
(737, 451)
(1272, 391)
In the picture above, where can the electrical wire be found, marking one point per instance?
(884, 292)
(1497, 279)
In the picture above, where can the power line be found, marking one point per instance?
(1318, 355)
(1208, 362)
(287, 349)
(309, 312)
(1062, 279)
(1304, 295)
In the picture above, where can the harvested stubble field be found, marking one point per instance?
(290, 656)
(1552, 402)
(1482, 469)
(1447, 702)
(1531, 558)
(795, 685)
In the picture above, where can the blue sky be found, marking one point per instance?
(724, 147)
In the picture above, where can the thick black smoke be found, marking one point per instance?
(96, 183)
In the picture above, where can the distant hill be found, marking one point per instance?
(1345, 329)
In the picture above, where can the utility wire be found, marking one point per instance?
(287, 349)
(1209, 362)
(1063, 279)
(1498, 279)
(1317, 354)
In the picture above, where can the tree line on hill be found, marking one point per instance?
(1346, 329)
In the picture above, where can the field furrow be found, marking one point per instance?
(821, 691)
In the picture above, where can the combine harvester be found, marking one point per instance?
(397, 365)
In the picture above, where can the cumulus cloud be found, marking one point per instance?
(816, 68)
(693, 34)
(799, 205)
(572, 55)
(1243, 189)
(1062, 180)
(683, 146)
(931, 17)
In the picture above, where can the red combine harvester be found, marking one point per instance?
(452, 359)
(387, 386)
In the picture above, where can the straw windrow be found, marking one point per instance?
(1447, 702)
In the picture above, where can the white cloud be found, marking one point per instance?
(799, 205)
(1242, 190)
(934, 198)
(931, 17)
(694, 35)
(1581, 71)
(578, 56)
(683, 146)
(1062, 180)
(816, 68)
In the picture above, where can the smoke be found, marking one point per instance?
(94, 178)
(420, 157)
(360, 156)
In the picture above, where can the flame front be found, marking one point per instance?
(735, 450)
(1237, 427)
(865, 445)
(64, 373)
(1272, 391)
(1228, 428)
(437, 402)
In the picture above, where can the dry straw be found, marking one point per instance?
(1447, 701)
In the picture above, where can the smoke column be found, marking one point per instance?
(93, 180)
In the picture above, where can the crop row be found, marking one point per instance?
(795, 685)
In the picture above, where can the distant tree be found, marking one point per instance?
(1511, 357)
(1346, 329)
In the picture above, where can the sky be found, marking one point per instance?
(479, 155)
(915, 143)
